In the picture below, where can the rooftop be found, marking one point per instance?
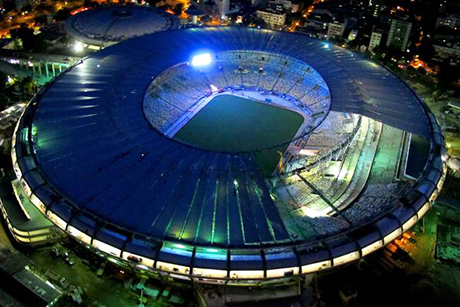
(88, 127)
(110, 24)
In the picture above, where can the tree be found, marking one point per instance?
(8, 5)
(421, 70)
(90, 3)
(444, 109)
(178, 9)
(26, 36)
(153, 3)
(4, 100)
(26, 8)
(42, 8)
(41, 19)
(3, 81)
(39, 44)
(254, 20)
(62, 15)
(25, 88)
(338, 40)
(353, 44)
(411, 69)
(378, 53)
(448, 74)
(425, 51)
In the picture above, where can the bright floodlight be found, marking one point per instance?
(78, 47)
(201, 59)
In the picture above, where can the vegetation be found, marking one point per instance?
(13, 91)
(26, 38)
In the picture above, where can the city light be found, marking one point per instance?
(201, 59)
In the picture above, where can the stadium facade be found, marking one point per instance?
(92, 156)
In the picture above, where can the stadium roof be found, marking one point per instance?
(109, 24)
(104, 162)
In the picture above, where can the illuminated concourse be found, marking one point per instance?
(95, 151)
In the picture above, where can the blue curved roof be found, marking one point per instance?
(94, 147)
(106, 24)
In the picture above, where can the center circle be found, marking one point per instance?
(242, 101)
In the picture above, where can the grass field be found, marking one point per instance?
(233, 124)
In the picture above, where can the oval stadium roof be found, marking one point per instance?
(97, 161)
(109, 24)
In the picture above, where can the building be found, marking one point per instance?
(352, 35)
(294, 5)
(450, 21)
(447, 50)
(336, 29)
(22, 287)
(376, 38)
(25, 222)
(398, 37)
(107, 25)
(42, 67)
(277, 5)
(195, 12)
(317, 25)
(272, 18)
(154, 204)
(375, 8)
(283, 5)
(223, 8)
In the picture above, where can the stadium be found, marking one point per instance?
(229, 154)
(107, 25)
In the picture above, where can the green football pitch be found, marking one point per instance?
(234, 124)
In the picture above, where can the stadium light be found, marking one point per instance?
(201, 59)
(78, 47)
(312, 213)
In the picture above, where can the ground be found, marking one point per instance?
(112, 288)
(423, 281)
(436, 103)
(234, 124)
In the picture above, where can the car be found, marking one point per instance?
(134, 258)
